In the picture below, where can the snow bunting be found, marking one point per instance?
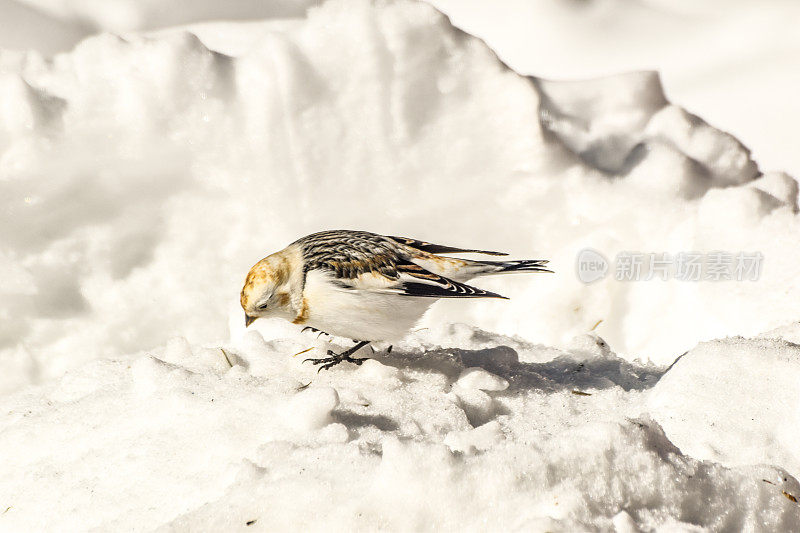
(364, 286)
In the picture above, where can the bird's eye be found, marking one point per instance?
(263, 306)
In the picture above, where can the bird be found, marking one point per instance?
(364, 286)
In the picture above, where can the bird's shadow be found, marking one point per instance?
(566, 371)
(352, 419)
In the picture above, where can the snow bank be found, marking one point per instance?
(244, 436)
(734, 401)
(731, 61)
(141, 177)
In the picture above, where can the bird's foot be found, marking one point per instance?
(326, 363)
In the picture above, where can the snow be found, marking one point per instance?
(478, 378)
(142, 175)
(733, 62)
(734, 401)
(137, 442)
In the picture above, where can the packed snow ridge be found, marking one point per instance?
(141, 176)
(497, 434)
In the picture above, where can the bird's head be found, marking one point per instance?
(267, 290)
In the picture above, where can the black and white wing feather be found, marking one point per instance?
(359, 260)
(416, 281)
(440, 248)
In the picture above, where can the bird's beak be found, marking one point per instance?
(249, 319)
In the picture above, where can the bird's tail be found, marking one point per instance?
(503, 267)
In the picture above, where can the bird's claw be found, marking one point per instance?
(336, 358)
(329, 362)
(319, 333)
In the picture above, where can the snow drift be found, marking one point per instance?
(496, 434)
(141, 177)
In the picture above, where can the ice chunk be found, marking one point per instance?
(479, 406)
(178, 351)
(589, 345)
(734, 401)
(478, 378)
(624, 523)
(779, 185)
(372, 369)
(478, 439)
(311, 409)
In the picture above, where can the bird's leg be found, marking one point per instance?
(345, 355)
(336, 358)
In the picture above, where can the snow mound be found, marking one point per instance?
(614, 123)
(140, 177)
(734, 401)
(246, 436)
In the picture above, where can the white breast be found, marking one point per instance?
(360, 314)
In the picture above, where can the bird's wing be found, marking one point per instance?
(349, 254)
(369, 262)
(439, 248)
(409, 279)
(416, 281)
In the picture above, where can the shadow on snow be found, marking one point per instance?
(565, 372)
